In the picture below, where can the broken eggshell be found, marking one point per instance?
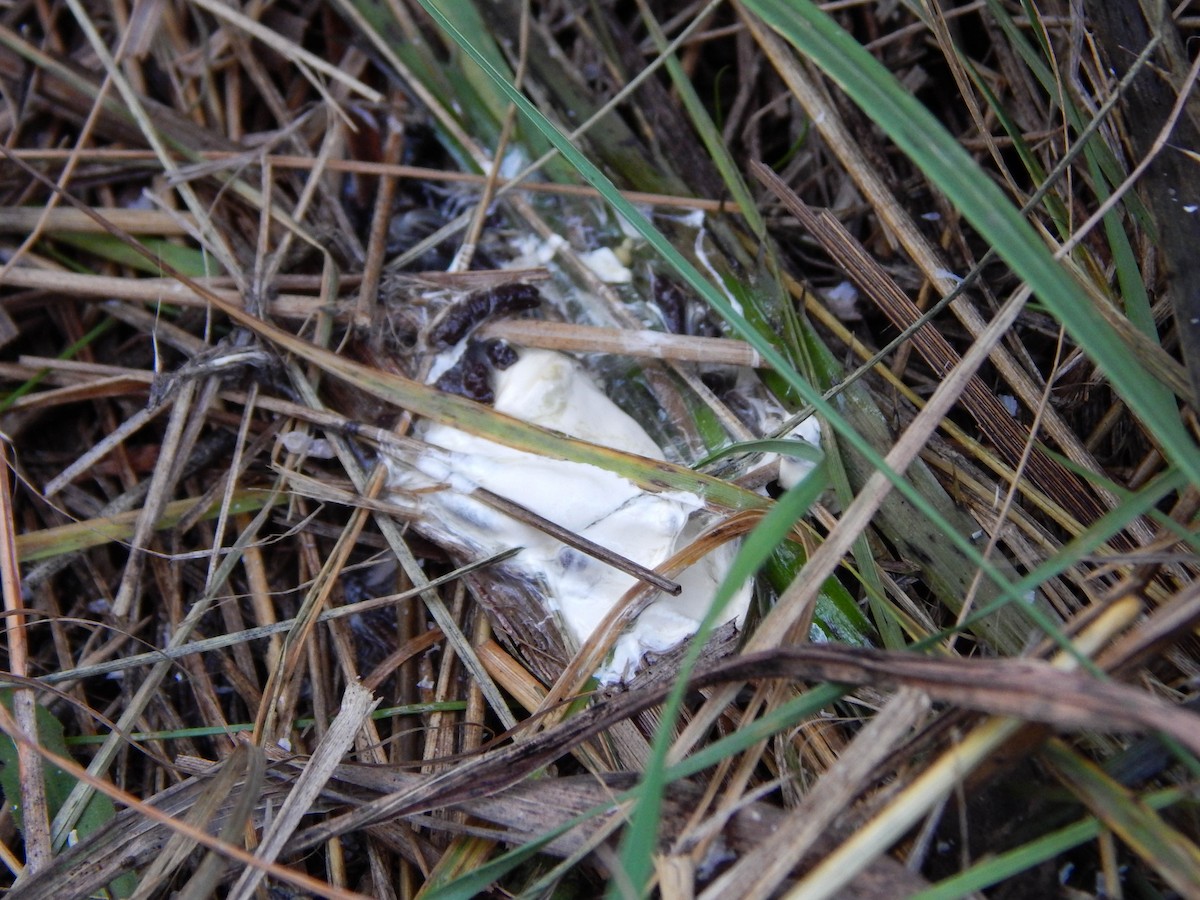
(553, 391)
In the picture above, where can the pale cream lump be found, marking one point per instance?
(553, 391)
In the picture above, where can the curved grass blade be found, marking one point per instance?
(637, 851)
(714, 144)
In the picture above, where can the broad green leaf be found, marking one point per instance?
(58, 784)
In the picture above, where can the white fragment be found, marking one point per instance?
(794, 469)
(425, 684)
(550, 247)
(515, 161)
(284, 744)
(551, 390)
(1190, 208)
(532, 253)
(702, 256)
(1009, 402)
(932, 216)
(445, 361)
(717, 855)
(626, 226)
(302, 443)
(606, 266)
(842, 300)
(947, 275)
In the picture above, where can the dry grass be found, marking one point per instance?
(230, 238)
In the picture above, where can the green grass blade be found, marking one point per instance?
(1072, 554)
(1170, 852)
(180, 734)
(1021, 859)
(707, 129)
(798, 449)
(637, 851)
(59, 539)
(27, 387)
(188, 260)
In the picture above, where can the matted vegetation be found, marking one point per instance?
(248, 652)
